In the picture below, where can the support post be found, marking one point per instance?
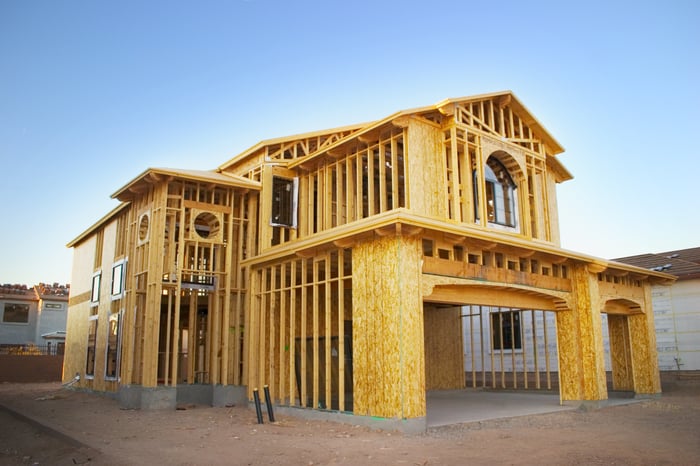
(580, 341)
(388, 361)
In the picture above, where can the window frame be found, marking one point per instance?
(118, 317)
(119, 293)
(501, 201)
(96, 283)
(91, 363)
(4, 313)
(500, 336)
(284, 208)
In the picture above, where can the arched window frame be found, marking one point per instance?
(501, 195)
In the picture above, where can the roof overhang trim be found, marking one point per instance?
(110, 215)
(154, 175)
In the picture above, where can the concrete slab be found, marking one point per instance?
(446, 407)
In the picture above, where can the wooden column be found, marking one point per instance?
(645, 363)
(388, 355)
(580, 341)
(620, 356)
(151, 332)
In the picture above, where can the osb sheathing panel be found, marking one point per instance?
(645, 361)
(580, 341)
(426, 170)
(80, 309)
(620, 357)
(76, 322)
(388, 358)
(76, 341)
(444, 365)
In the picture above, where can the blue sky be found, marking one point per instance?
(93, 92)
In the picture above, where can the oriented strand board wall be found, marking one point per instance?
(76, 322)
(580, 341)
(645, 363)
(427, 187)
(620, 356)
(388, 357)
(444, 365)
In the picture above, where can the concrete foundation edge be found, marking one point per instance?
(153, 398)
(409, 426)
(147, 398)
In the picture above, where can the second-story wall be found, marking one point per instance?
(444, 170)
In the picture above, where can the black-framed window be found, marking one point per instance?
(506, 330)
(91, 346)
(284, 202)
(113, 342)
(15, 313)
(500, 194)
(118, 275)
(95, 289)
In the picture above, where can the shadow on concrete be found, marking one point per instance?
(447, 407)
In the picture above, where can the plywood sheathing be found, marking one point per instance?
(389, 362)
(620, 352)
(580, 341)
(645, 361)
(425, 175)
(444, 356)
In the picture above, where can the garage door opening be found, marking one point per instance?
(476, 346)
(507, 348)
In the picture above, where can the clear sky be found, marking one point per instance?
(94, 92)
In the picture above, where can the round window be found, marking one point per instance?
(143, 228)
(206, 225)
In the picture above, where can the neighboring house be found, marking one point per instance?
(53, 315)
(676, 307)
(19, 305)
(334, 268)
(34, 315)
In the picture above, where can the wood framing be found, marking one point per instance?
(341, 268)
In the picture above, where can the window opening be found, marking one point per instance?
(206, 225)
(95, 291)
(500, 194)
(113, 343)
(284, 202)
(118, 279)
(16, 313)
(505, 330)
(143, 227)
(91, 346)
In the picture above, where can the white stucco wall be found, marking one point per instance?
(677, 320)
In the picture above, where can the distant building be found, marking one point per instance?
(34, 315)
(676, 307)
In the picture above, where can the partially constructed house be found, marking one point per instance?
(335, 268)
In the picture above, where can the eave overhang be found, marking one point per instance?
(401, 221)
(95, 226)
(156, 175)
(285, 139)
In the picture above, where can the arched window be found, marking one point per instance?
(500, 194)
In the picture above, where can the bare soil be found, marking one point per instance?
(46, 424)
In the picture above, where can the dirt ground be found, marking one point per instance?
(45, 424)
